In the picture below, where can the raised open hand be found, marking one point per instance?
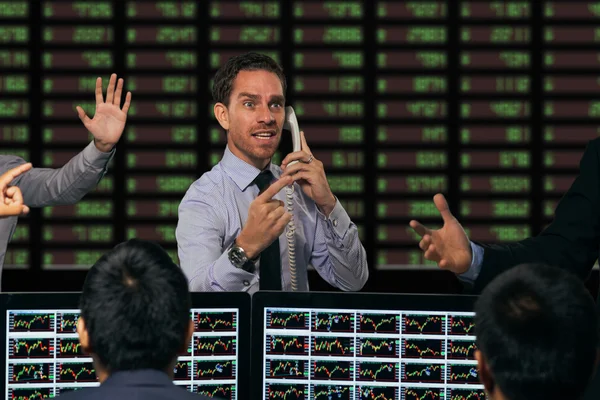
(108, 122)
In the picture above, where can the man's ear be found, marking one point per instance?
(485, 375)
(188, 336)
(84, 337)
(222, 115)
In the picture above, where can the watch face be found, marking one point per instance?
(237, 256)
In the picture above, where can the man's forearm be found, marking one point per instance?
(67, 185)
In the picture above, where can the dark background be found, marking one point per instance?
(491, 103)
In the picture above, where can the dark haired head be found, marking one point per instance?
(225, 76)
(135, 307)
(537, 334)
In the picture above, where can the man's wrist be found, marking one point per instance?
(104, 147)
(328, 207)
(250, 253)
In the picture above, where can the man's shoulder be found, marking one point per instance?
(595, 143)
(209, 185)
(90, 393)
(118, 393)
(591, 154)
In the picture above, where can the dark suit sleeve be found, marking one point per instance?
(570, 242)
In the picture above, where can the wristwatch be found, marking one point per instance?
(239, 259)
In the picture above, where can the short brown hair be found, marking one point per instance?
(223, 80)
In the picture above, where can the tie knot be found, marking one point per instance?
(263, 180)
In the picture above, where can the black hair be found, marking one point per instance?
(136, 306)
(537, 329)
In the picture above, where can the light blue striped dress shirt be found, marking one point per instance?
(214, 210)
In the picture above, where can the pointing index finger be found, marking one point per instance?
(272, 190)
(421, 229)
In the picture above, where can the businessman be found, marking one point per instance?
(231, 220)
(135, 319)
(50, 187)
(571, 241)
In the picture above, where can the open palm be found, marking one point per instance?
(449, 246)
(109, 119)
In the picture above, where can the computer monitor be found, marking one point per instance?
(43, 357)
(362, 346)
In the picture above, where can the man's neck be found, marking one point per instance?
(101, 373)
(255, 162)
(496, 395)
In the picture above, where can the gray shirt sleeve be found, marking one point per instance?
(66, 185)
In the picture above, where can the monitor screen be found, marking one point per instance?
(43, 357)
(364, 346)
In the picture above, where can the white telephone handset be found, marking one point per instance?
(291, 124)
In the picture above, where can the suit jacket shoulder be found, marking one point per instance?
(127, 385)
(571, 241)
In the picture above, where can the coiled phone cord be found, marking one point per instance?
(290, 235)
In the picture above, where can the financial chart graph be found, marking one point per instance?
(45, 358)
(369, 354)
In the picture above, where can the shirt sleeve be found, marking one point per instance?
(473, 272)
(202, 252)
(338, 255)
(66, 185)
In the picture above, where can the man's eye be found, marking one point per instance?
(276, 105)
(248, 104)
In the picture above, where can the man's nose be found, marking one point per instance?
(266, 116)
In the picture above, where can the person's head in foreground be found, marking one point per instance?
(135, 311)
(249, 94)
(537, 335)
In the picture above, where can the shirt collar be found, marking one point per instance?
(242, 173)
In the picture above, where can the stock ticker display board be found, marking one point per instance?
(489, 102)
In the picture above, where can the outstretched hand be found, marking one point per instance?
(11, 198)
(448, 246)
(109, 119)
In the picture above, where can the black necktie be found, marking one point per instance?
(270, 259)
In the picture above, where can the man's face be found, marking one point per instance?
(255, 116)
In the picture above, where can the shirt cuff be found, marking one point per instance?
(228, 277)
(477, 259)
(96, 158)
(338, 220)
